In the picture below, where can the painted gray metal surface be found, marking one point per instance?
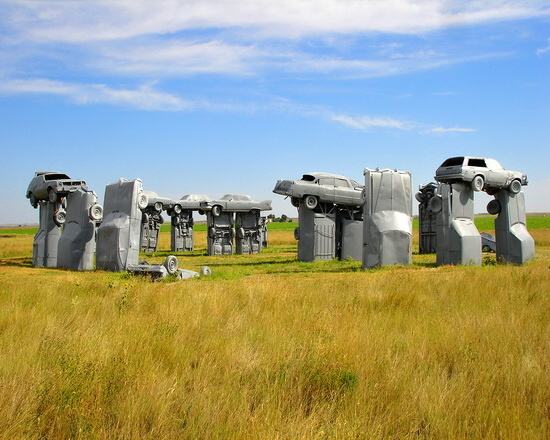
(220, 233)
(351, 246)
(118, 237)
(151, 220)
(77, 244)
(248, 233)
(324, 187)
(458, 240)
(235, 203)
(387, 234)
(264, 232)
(514, 243)
(181, 231)
(46, 239)
(317, 235)
(488, 242)
(427, 230)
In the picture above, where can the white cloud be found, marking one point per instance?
(443, 130)
(368, 122)
(545, 49)
(143, 97)
(83, 21)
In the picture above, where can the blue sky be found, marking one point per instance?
(229, 96)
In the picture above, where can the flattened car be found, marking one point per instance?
(319, 187)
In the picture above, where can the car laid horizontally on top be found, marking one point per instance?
(49, 185)
(318, 187)
(235, 203)
(484, 174)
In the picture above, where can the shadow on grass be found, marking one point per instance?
(16, 262)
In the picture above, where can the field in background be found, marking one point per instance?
(269, 347)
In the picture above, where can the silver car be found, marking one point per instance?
(317, 187)
(235, 203)
(483, 173)
(49, 185)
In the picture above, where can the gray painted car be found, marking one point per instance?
(484, 174)
(48, 185)
(235, 203)
(318, 187)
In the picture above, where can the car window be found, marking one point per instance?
(55, 176)
(355, 184)
(477, 163)
(326, 181)
(493, 164)
(342, 183)
(308, 178)
(453, 162)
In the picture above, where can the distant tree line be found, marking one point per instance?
(282, 219)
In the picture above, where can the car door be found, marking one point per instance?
(343, 192)
(479, 167)
(326, 189)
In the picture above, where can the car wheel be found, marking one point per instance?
(485, 248)
(144, 218)
(52, 195)
(171, 264)
(96, 212)
(419, 197)
(478, 183)
(32, 199)
(216, 210)
(175, 220)
(435, 204)
(295, 201)
(493, 207)
(59, 217)
(200, 212)
(212, 232)
(142, 200)
(515, 186)
(177, 208)
(160, 220)
(158, 206)
(311, 202)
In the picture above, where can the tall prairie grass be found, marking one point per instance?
(271, 348)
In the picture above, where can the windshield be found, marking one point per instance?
(55, 176)
(453, 162)
(308, 178)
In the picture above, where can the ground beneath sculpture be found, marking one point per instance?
(268, 345)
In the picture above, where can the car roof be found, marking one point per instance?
(318, 174)
(41, 173)
(237, 197)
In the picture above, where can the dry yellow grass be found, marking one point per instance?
(276, 350)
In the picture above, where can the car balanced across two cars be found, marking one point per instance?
(318, 187)
(484, 174)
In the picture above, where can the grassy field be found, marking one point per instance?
(271, 348)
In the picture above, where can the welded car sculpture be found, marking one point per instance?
(319, 187)
(50, 185)
(484, 174)
(235, 203)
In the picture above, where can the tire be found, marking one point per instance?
(200, 212)
(158, 206)
(419, 197)
(493, 207)
(478, 183)
(311, 202)
(295, 201)
(216, 210)
(59, 217)
(142, 200)
(171, 264)
(33, 201)
(52, 195)
(485, 248)
(145, 218)
(175, 220)
(96, 212)
(212, 232)
(515, 186)
(177, 209)
(160, 220)
(435, 204)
